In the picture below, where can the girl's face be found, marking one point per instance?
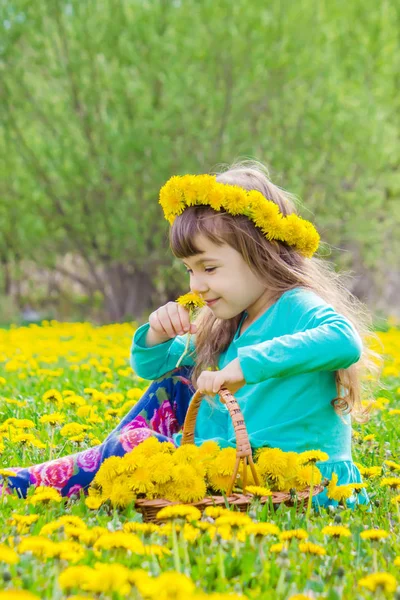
(223, 279)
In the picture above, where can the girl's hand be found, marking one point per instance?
(231, 377)
(170, 320)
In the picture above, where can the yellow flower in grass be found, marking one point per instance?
(370, 472)
(44, 495)
(396, 561)
(75, 577)
(72, 429)
(7, 473)
(144, 528)
(179, 511)
(310, 548)
(233, 519)
(215, 511)
(90, 536)
(119, 539)
(393, 466)
(379, 581)
(8, 555)
(392, 482)
(299, 534)
(374, 534)
(338, 492)
(53, 419)
(261, 529)
(27, 438)
(277, 548)
(93, 502)
(312, 456)
(300, 597)
(68, 551)
(23, 522)
(62, 521)
(336, 531)
(170, 585)
(53, 396)
(21, 423)
(396, 500)
(37, 545)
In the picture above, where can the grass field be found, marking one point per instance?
(65, 549)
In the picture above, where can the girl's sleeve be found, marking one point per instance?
(152, 363)
(329, 342)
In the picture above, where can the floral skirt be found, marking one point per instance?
(160, 412)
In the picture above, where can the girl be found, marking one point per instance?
(280, 331)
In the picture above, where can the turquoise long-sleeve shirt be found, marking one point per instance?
(288, 356)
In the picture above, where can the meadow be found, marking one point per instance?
(71, 549)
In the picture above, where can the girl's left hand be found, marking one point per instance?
(231, 377)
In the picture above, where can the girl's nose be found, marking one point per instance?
(198, 287)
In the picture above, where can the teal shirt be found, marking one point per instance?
(288, 356)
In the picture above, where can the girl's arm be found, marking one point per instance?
(153, 362)
(329, 344)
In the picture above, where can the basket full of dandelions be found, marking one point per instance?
(156, 474)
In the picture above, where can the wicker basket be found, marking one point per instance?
(150, 508)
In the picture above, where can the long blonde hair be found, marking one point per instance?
(282, 268)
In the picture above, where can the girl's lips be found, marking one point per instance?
(212, 302)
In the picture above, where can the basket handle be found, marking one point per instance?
(243, 447)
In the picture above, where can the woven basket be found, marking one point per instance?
(150, 508)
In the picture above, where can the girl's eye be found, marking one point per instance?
(208, 270)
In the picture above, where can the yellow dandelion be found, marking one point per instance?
(258, 491)
(392, 482)
(191, 301)
(53, 396)
(299, 534)
(53, 419)
(179, 511)
(379, 581)
(234, 520)
(336, 531)
(310, 548)
(261, 529)
(374, 534)
(393, 466)
(277, 548)
(8, 555)
(312, 456)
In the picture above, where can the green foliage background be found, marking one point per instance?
(103, 101)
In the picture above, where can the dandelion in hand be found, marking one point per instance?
(192, 302)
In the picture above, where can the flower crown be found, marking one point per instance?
(179, 192)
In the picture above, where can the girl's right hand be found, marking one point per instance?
(168, 321)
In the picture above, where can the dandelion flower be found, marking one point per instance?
(379, 581)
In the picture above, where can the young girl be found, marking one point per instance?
(280, 331)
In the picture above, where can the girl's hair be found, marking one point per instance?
(282, 268)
